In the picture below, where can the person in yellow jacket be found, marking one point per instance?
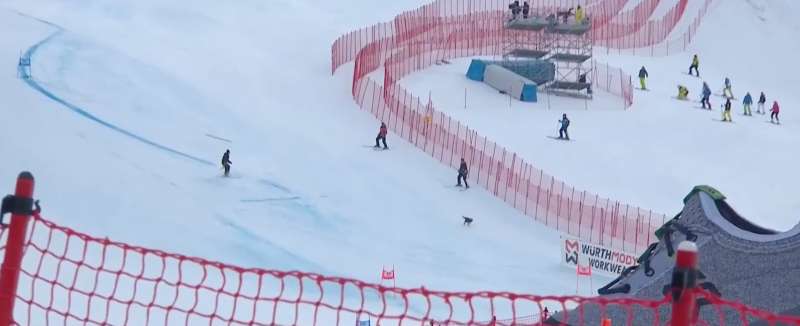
(683, 92)
(579, 15)
(695, 65)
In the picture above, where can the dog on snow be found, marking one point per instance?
(467, 221)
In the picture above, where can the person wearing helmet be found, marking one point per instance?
(747, 103)
(226, 161)
(762, 100)
(463, 171)
(695, 65)
(683, 92)
(706, 95)
(775, 111)
(726, 113)
(562, 132)
(642, 76)
(381, 137)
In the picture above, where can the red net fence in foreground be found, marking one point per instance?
(53, 275)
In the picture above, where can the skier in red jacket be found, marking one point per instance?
(381, 137)
(775, 110)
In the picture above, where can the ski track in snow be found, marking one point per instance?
(28, 55)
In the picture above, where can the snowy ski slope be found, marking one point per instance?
(133, 102)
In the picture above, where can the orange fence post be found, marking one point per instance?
(20, 205)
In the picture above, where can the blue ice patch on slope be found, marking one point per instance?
(263, 252)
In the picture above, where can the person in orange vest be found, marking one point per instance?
(381, 137)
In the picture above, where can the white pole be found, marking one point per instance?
(465, 98)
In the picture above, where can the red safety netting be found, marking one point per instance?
(665, 46)
(633, 31)
(504, 173)
(446, 29)
(68, 277)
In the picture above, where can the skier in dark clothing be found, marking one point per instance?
(642, 76)
(226, 161)
(726, 113)
(706, 95)
(562, 132)
(381, 137)
(463, 171)
(762, 100)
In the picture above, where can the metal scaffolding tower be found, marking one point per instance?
(566, 44)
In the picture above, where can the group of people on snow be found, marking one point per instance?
(727, 93)
(525, 9)
(515, 9)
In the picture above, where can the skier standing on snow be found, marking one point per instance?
(226, 161)
(381, 137)
(562, 132)
(695, 65)
(727, 92)
(706, 95)
(726, 113)
(463, 171)
(762, 100)
(642, 75)
(748, 101)
(775, 110)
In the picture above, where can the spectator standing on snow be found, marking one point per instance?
(747, 102)
(726, 113)
(226, 161)
(706, 96)
(695, 65)
(762, 100)
(562, 132)
(463, 171)
(775, 111)
(642, 76)
(381, 136)
(727, 91)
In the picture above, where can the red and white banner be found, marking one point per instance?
(580, 255)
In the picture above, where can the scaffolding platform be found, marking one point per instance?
(569, 86)
(576, 58)
(573, 29)
(528, 24)
(527, 53)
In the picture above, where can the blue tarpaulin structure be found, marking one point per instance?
(476, 70)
